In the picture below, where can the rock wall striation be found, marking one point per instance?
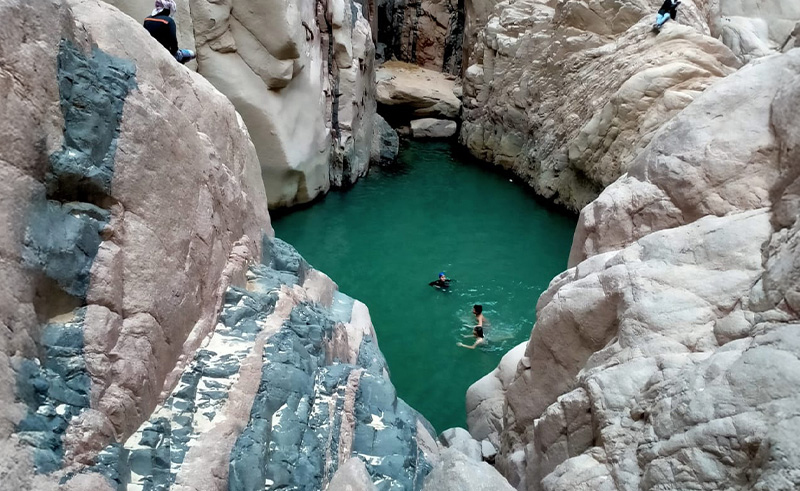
(154, 334)
(427, 33)
(566, 94)
(300, 74)
(666, 357)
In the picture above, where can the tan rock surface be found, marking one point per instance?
(406, 92)
(271, 60)
(666, 357)
(185, 196)
(756, 28)
(139, 9)
(433, 128)
(566, 95)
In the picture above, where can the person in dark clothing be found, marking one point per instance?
(668, 10)
(161, 26)
(442, 282)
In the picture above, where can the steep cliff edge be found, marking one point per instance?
(300, 74)
(566, 94)
(154, 334)
(667, 355)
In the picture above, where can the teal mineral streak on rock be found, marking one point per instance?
(63, 237)
(62, 241)
(93, 90)
(54, 391)
(292, 427)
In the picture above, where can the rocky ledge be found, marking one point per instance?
(155, 334)
(667, 355)
(288, 387)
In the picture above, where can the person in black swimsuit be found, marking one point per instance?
(442, 282)
(477, 331)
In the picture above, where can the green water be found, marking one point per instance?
(383, 240)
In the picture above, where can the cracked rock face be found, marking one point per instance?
(427, 33)
(666, 357)
(154, 334)
(566, 94)
(303, 81)
(131, 193)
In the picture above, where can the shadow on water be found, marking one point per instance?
(383, 240)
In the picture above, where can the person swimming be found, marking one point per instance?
(477, 331)
(442, 282)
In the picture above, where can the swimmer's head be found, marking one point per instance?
(441, 275)
(477, 309)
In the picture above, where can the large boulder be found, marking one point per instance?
(457, 472)
(433, 128)
(666, 357)
(385, 143)
(132, 199)
(405, 92)
(461, 440)
(566, 94)
(486, 397)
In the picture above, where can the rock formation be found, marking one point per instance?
(667, 355)
(302, 79)
(457, 472)
(427, 33)
(407, 92)
(754, 29)
(303, 82)
(385, 143)
(433, 128)
(566, 95)
(155, 335)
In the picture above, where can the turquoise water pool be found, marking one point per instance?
(385, 239)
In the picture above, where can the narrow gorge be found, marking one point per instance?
(623, 202)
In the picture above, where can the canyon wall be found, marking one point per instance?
(666, 356)
(566, 94)
(427, 33)
(154, 333)
(300, 74)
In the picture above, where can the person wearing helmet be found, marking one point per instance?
(161, 26)
(669, 10)
(442, 282)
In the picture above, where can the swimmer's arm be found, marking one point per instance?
(479, 341)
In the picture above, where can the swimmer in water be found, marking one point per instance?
(442, 282)
(477, 331)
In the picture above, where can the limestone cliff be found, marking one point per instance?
(154, 333)
(567, 93)
(300, 74)
(666, 357)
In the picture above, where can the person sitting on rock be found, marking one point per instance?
(442, 282)
(477, 331)
(668, 10)
(161, 26)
